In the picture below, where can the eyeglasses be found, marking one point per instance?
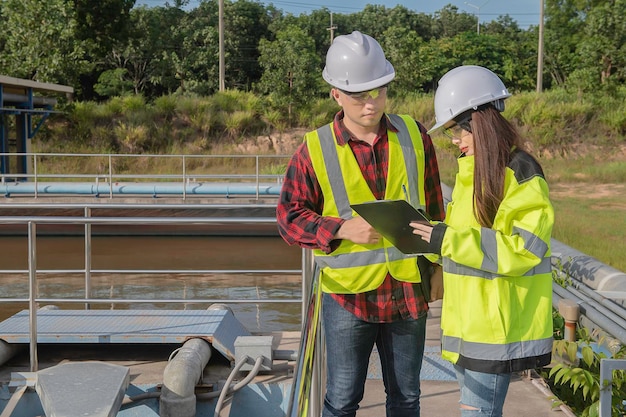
(363, 96)
(456, 130)
(453, 131)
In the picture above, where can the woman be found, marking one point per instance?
(494, 245)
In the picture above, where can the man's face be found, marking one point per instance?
(363, 108)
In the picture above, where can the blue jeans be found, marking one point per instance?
(482, 391)
(349, 344)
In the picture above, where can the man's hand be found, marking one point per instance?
(358, 230)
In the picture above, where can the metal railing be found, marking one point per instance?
(110, 174)
(309, 300)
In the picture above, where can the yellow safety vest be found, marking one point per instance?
(497, 309)
(355, 268)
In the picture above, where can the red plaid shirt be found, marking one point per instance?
(300, 222)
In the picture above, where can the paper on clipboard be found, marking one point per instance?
(391, 219)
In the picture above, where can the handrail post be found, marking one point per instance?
(307, 280)
(607, 366)
(87, 214)
(35, 172)
(110, 176)
(184, 178)
(32, 294)
(258, 185)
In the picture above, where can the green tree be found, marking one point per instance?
(40, 43)
(144, 56)
(401, 46)
(563, 33)
(104, 26)
(374, 20)
(492, 51)
(100, 29)
(291, 68)
(245, 23)
(197, 60)
(449, 22)
(603, 48)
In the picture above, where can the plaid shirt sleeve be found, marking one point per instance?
(299, 208)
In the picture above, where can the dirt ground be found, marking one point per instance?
(589, 191)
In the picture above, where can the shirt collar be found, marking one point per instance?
(343, 135)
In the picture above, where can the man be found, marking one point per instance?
(372, 291)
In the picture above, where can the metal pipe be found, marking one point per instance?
(607, 366)
(604, 301)
(589, 309)
(180, 377)
(610, 342)
(130, 188)
(598, 306)
(23, 98)
(588, 270)
(87, 248)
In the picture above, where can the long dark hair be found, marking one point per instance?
(495, 138)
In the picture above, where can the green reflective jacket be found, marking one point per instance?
(497, 307)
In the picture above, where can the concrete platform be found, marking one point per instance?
(527, 394)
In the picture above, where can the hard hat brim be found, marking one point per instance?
(344, 85)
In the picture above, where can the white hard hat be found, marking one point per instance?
(465, 88)
(356, 62)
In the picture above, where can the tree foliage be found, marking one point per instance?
(287, 64)
(39, 41)
(116, 49)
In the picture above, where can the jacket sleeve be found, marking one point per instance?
(519, 239)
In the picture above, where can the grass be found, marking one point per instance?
(594, 226)
(589, 199)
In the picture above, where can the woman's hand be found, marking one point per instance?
(424, 230)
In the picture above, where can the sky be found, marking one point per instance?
(524, 12)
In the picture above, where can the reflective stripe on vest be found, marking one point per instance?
(353, 268)
(495, 352)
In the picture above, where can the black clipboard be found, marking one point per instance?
(391, 219)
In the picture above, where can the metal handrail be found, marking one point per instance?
(183, 175)
(33, 272)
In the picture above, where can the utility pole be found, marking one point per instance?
(477, 14)
(222, 70)
(331, 29)
(540, 51)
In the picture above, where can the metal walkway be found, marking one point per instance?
(219, 327)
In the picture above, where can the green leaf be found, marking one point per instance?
(572, 350)
(588, 355)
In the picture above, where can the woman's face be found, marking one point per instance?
(461, 138)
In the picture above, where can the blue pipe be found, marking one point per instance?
(129, 188)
